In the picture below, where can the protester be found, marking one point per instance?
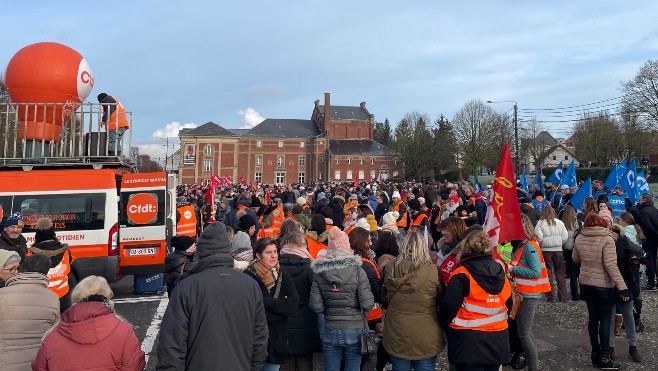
(573, 226)
(90, 335)
(635, 234)
(647, 219)
(216, 315)
(474, 308)
(342, 293)
(179, 261)
(279, 298)
(241, 251)
(412, 335)
(27, 310)
(452, 229)
(317, 235)
(11, 237)
(595, 251)
(303, 335)
(551, 235)
(626, 250)
(9, 261)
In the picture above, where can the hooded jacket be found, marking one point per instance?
(336, 204)
(90, 336)
(411, 326)
(341, 290)
(216, 317)
(27, 310)
(473, 347)
(303, 333)
(177, 263)
(596, 253)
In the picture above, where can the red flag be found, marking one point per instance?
(228, 181)
(503, 220)
(210, 196)
(242, 181)
(255, 184)
(268, 196)
(371, 179)
(356, 183)
(216, 181)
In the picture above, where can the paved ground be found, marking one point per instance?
(560, 330)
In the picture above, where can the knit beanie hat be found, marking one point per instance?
(362, 223)
(44, 231)
(338, 240)
(246, 222)
(390, 217)
(241, 243)
(414, 204)
(5, 255)
(182, 243)
(372, 222)
(15, 219)
(213, 240)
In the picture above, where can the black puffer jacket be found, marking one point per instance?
(277, 311)
(626, 250)
(336, 294)
(303, 334)
(176, 264)
(337, 215)
(19, 244)
(648, 221)
(472, 347)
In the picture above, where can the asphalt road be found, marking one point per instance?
(560, 330)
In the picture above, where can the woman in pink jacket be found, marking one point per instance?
(90, 336)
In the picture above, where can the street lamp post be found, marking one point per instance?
(517, 170)
(166, 140)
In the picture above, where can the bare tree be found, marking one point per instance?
(474, 125)
(414, 141)
(598, 139)
(535, 141)
(641, 93)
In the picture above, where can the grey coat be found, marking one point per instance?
(336, 294)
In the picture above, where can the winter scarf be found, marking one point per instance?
(302, 253)
(267, 275)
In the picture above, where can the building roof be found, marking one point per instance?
(239, 132)
(358, 147)
(209, 129)
(552, 149)
(284, 128)
(347, 113)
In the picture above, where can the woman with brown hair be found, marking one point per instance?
(589, 206)
(317, 235)
(596, 252)
(573, 227)
(452, 231)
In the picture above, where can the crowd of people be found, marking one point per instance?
(264, 278)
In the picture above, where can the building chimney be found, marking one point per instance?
(317, 103)
(327, 110)
(363, 104)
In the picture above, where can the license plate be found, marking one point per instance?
(136, 252)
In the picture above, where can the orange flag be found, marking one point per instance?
(503, 220)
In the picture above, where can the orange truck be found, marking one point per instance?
(115, 222)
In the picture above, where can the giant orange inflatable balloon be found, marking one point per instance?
(47, 72)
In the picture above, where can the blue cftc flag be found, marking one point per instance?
(627, 182)
(570, 176)
(556, 177)
(539, 184)
(584, 191)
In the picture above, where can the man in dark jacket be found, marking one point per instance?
(381, 210)
(11, 238)
(215, 318)
(243, 204)
(648, 221)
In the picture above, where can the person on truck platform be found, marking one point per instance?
(114, 116)
(46, 243)
(11, 237)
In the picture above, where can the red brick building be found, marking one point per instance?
(338, 146)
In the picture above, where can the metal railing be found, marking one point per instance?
(59, 133)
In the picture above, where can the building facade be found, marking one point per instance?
(336, 144)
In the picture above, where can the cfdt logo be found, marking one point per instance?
(142, 208)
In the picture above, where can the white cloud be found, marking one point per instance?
(156, 151)
(250, 118)
(171, 130)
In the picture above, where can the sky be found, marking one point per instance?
(182, 64)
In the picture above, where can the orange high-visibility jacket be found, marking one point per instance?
(118, 118)
(402, 223)
(186, 226)
(376, 312)
(58, 276)
(418, 220)
(532, 285)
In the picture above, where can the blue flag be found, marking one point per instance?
(627, 182)
(641, 185)
(556, 177)
(538, 183)
(611, 180)
(585, 191)
(524, 181)
(621, 169)
(569, 177)
(477, 184)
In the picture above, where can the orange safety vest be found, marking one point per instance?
(419, 219)
(402, 223)
(118, 118)
(376, 312)
(186, 226)
(480, 310)
(424, 210)
(276, 222)
(314, 247)
(349, 229)
(58, 276)
(532, 285)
